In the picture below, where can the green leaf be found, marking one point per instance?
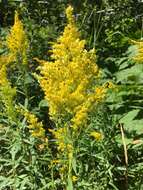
(129, 116)
(135, 125)
(118, 139)
(132, 51)
(43, 103)
(133, 74)
(28, 79)
(121, 168)
(74, 165)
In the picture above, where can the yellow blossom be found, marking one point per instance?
(7, 93)
(4, 61)
(74, 178)
(70, 85)
(3, 76)
(36, 128)
(69, 13)
(69, 80)
(17, 41)
(96, 135)
(60, 134)
(55, 161)
(139, 56)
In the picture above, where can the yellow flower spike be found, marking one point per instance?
(69, 14)
(139, 56)
(17, 41)
(68, 81)
(4, 61)
(6, 91)
(35, 127)
(63, 170)
(3, 76)
(98, 136)
(69, 147)
(60, 134)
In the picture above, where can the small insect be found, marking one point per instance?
(109, 85)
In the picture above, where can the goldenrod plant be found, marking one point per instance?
(17, 41)
(70, 85)
(139, 56)
(35, 127)
(17, 44)
(69, 129)
(7, 93)
(70, 81)
(23, 136)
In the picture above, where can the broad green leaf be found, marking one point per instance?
(135, 125)
(133, 74)
(118, 139)
(132, 51)
(74, 165)
(28, 79)
(43, 103)
(129, 116)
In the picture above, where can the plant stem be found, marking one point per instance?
(125, 154)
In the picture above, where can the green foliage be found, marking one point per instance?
(23, 166)
(126, 105)
(25, 161)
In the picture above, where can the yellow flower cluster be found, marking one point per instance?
(74, 178)
(17, 41)
(4, 60)
(3, 75)
(59, 135)
(7, 93)
(36, 128)
(96, 135)
(63, 143)
(70, 84)
(70, 81)
(139, 56)
(65, 149)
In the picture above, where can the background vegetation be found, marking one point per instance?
(113, 162)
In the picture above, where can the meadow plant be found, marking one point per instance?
(7, 93)
(35, 127)
(70, 84)
(90, 142)
(17, 45)
(139, 57)
(17, 41)
(19, 128)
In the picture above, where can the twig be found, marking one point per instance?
(125, 154)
